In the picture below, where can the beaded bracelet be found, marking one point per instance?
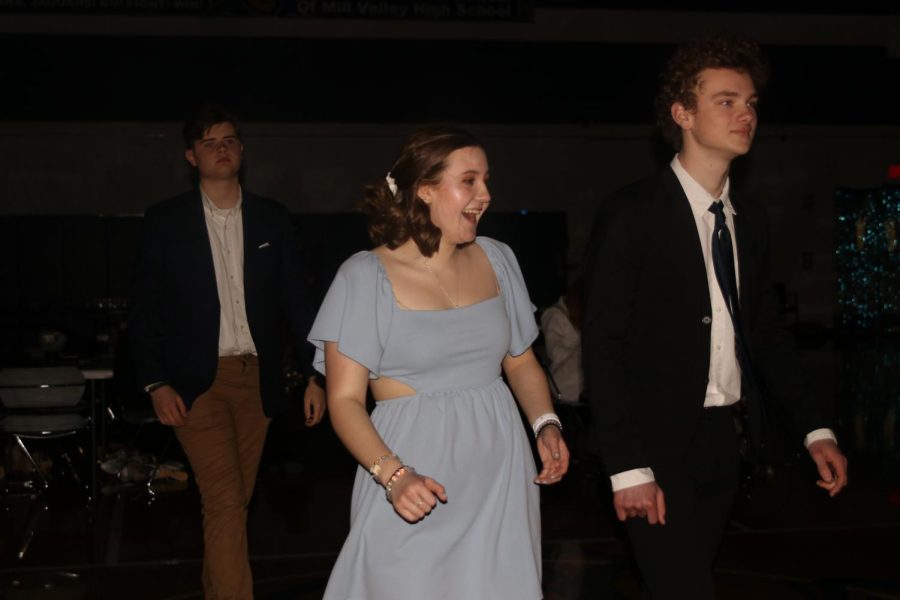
(375, 469)
(544, 420)
(389, 486)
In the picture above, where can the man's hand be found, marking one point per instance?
(832, 466)
(313, 402)
(168, 405)
(642, 501)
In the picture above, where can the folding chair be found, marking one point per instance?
(42, 404)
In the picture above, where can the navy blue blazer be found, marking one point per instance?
(174, 321)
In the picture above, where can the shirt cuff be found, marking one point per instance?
(627, 479)
(153, 386)
(819, 434)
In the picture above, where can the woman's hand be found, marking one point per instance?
(414, 496)
(554, 455)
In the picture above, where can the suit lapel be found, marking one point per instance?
(686, 241)
(742, 232)
(249, 214)
(200, 234)
(251, 226)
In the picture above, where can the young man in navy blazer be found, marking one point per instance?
(219, 272)
(681, 326)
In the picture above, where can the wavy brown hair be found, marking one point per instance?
(678, 81)
(393, 219)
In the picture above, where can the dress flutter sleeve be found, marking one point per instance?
(523, 325)
(355, 314)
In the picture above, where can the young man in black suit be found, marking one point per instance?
(219, 270)
(681, 326)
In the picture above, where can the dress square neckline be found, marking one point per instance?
(400, 307)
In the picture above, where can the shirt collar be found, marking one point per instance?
(698, 197)
(214, 211)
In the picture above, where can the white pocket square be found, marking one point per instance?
(264, 245)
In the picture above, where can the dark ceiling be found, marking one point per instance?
(114, 78)
(862, 7)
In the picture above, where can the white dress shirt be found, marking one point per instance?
(724, 386)
(226, 240)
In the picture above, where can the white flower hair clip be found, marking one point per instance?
(392, 185)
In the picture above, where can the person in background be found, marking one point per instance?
(218, 273)
(561, 325)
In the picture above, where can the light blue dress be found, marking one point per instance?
(462, 428)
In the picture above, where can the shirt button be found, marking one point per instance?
(706, 320)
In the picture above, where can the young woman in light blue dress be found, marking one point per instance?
(444, 504)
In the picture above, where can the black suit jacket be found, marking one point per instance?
(174, 321)
(647, 325)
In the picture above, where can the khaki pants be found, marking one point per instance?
(223, 436)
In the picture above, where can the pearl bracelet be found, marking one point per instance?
(389, 486)
(375, 469)
(544, 420)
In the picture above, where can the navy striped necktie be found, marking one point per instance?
(723, 264)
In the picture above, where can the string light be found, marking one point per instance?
(868, 259)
